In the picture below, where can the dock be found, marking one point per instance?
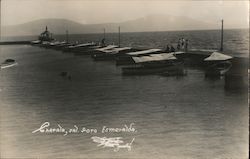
(235, 78)
(14, 42)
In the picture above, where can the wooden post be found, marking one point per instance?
(67, 36)
(221, 42)
(119, 38)
(104, 32)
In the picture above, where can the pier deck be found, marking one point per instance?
(14, 42)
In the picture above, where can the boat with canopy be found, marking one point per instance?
(153, 64)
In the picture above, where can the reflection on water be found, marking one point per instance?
(178, 117)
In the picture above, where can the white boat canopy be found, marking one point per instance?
(82, 45)
(116, 50)
(216, 56)
(107, 47)
(142, 59)
(144, 52)
(155, 57)
(55, 43)
(164, 56)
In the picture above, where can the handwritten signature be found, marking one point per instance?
(114, 142)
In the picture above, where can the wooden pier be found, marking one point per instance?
(14, 42)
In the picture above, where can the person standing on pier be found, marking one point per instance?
(182, 43)
(172, 49)
(167, 49)
(178, 46)
(186, 45)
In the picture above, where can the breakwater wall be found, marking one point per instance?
(14, 42)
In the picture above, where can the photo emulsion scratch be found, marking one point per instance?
(142, 79)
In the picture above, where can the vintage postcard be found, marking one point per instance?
(134, 79)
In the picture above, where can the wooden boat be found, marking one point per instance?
(153, 64)
(87, 50)
(126, 59)
(102, 49)
(111, 54)
(78, 47)
(8, 63)
(53, 44)
(217, 64)
(35, 42)
(63, 46)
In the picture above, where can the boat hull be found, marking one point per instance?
(167, 69)
(3, 66)
(218, 68)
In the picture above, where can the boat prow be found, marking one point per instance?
(8, 63)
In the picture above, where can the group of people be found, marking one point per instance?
(170, 48)
(182, 45)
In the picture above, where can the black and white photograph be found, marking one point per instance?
(124, 79)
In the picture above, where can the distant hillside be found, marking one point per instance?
(56, 26)
(149, 23)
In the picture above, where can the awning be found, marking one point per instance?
(107, 47)
(142, 59)
(164, 56)
(144, 52)
(81, 45)
(216, 56)
(116, 50)
(155, 57)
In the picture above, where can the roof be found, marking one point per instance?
(81, 45)
(164, 56)
(144, 52)
(107, 47)
(155, 57)
(216, 56)
(116, 50)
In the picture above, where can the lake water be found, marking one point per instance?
(188, 117)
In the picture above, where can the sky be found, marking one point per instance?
(105, 11)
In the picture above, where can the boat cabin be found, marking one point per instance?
(46, 35)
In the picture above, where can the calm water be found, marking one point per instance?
(175, 117)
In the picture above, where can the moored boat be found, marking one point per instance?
(8, 63)
(87, 50)
(100, 50)
(217, 64)
(111, 54)
(62, 46)
(126, 59)
(35, 42)
(78, 47)
(153, 64)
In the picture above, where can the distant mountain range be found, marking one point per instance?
(149, 23)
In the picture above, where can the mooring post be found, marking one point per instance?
(67, 36)
(119, 38)
(221, 42)
(104, 32)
